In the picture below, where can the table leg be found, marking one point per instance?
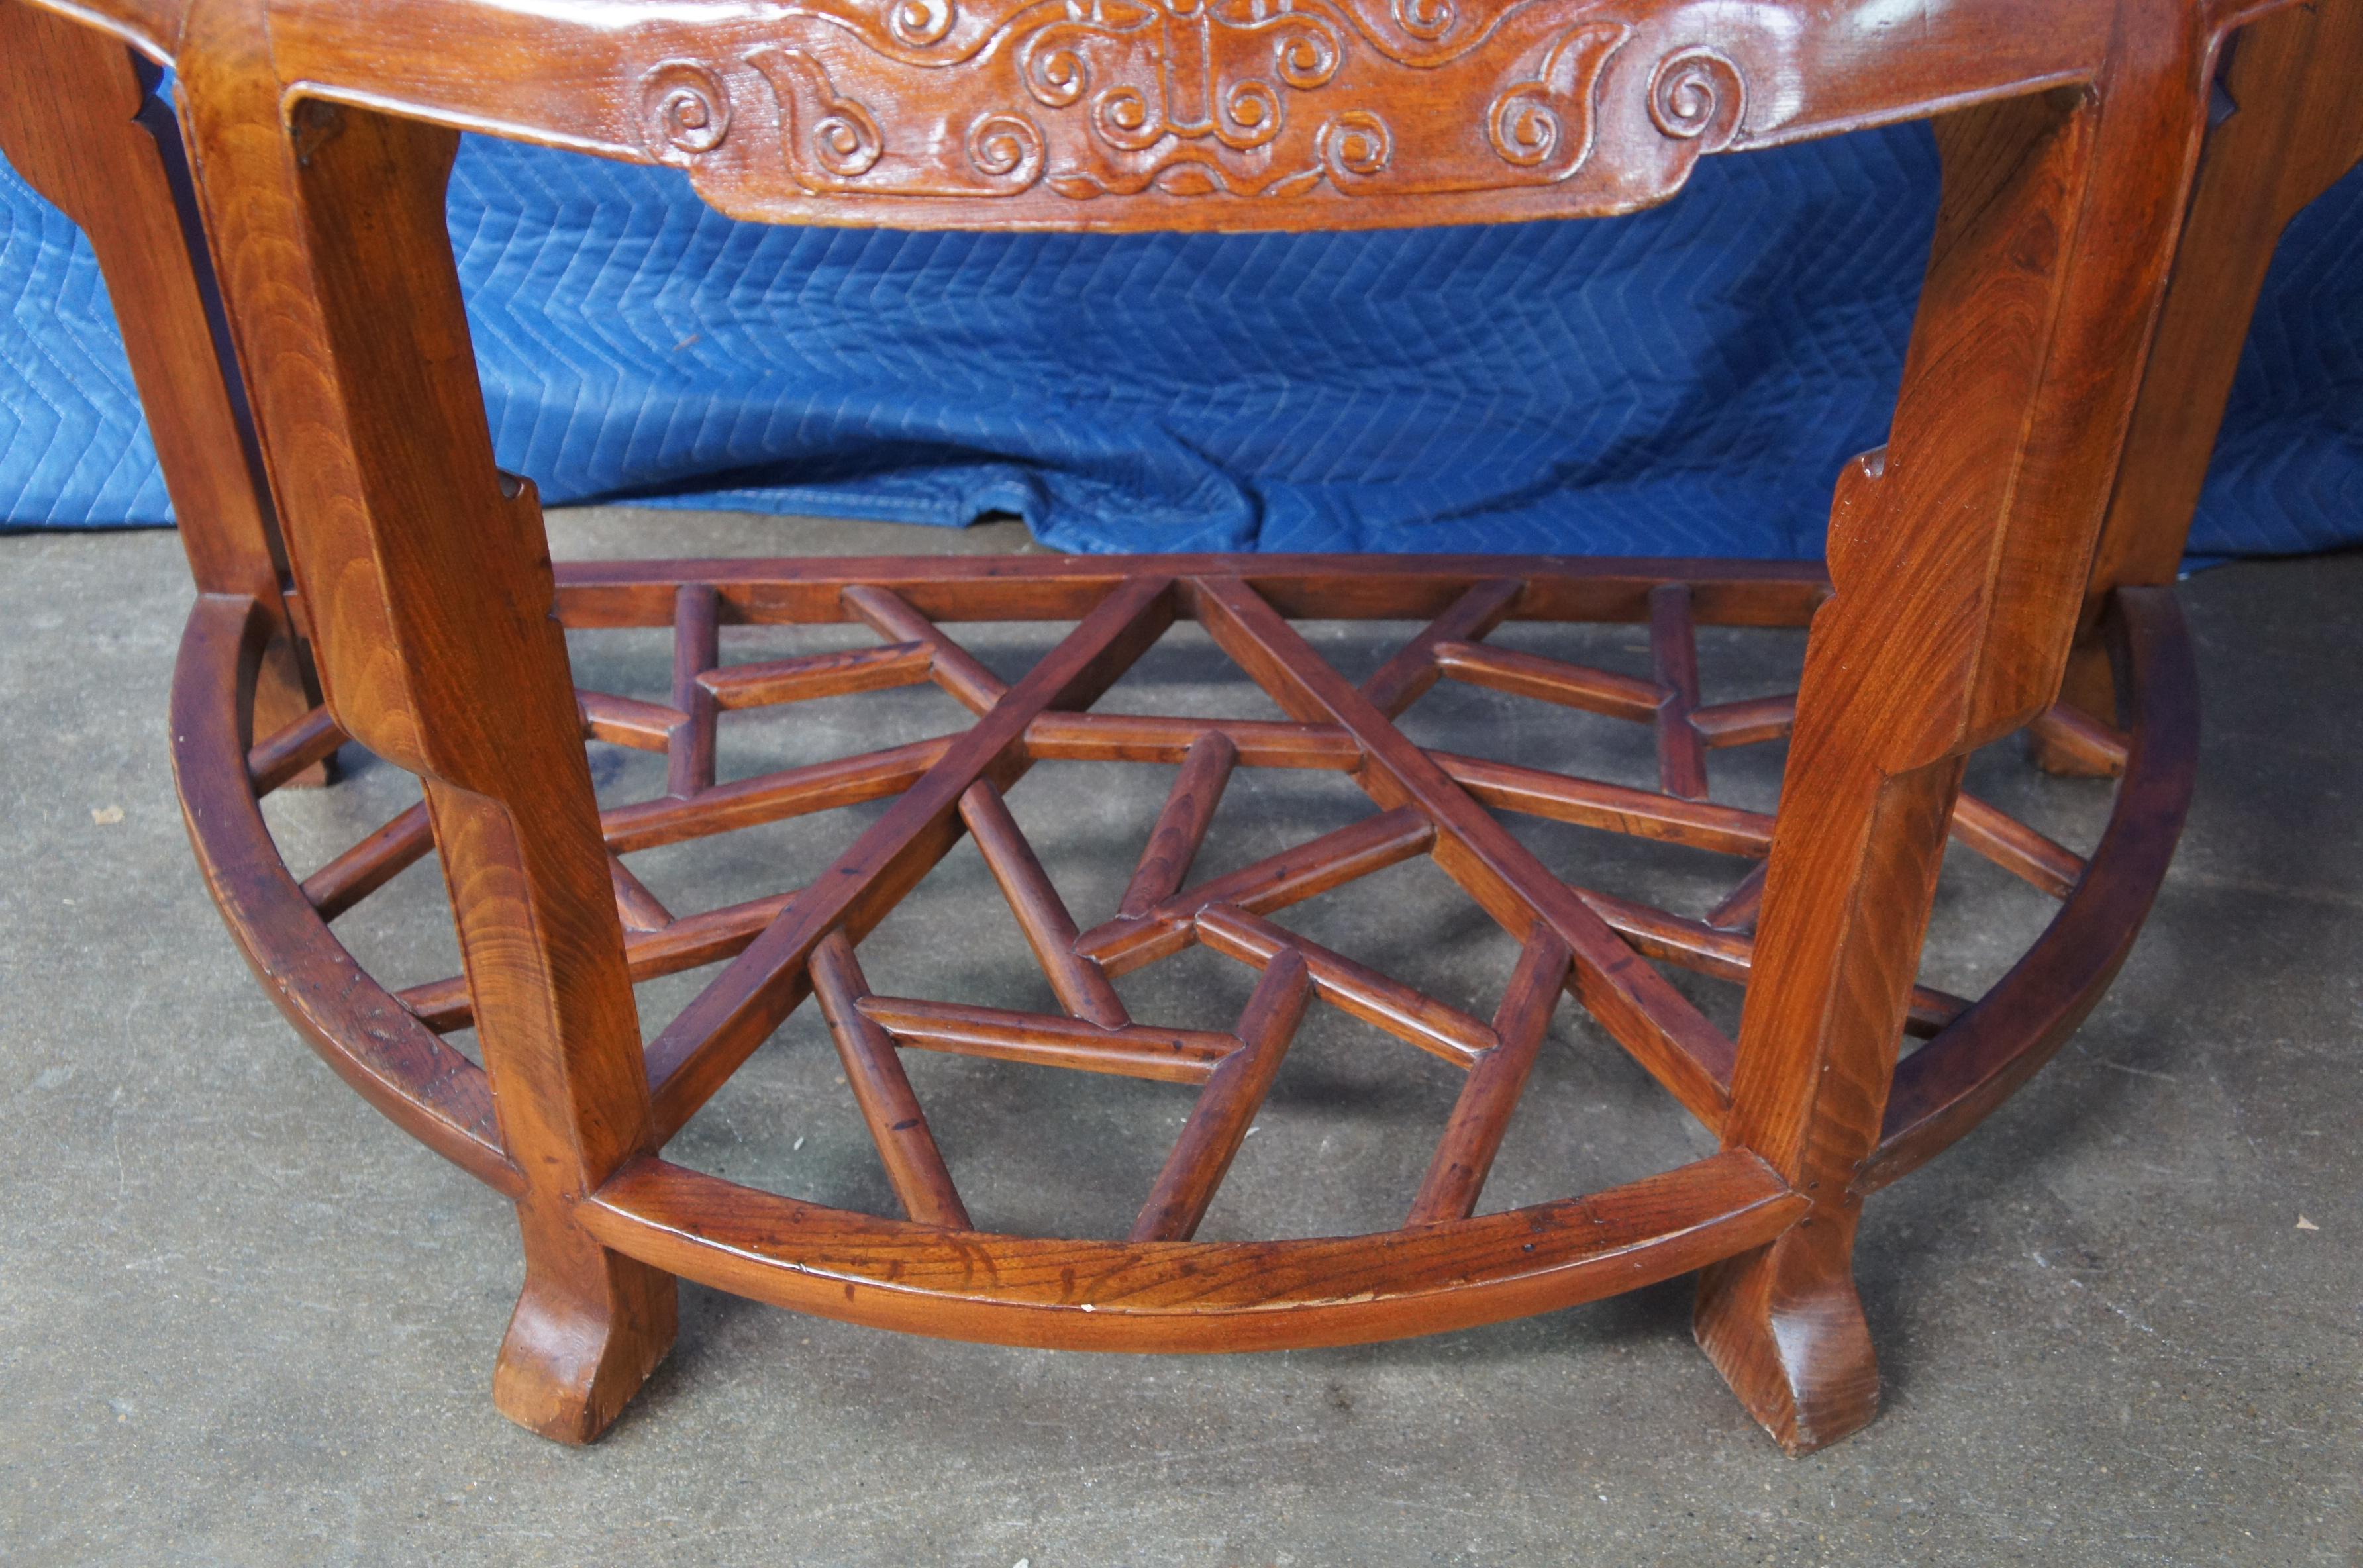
(1958, 553)
(2294, 84)
(80, 122)
(428, 585)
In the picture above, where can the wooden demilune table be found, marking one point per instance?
(389, 587)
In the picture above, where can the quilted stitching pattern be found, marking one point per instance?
(2288, 475)
(1686, 382)
(73, 446)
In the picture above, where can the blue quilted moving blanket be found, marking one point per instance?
(1686, 382)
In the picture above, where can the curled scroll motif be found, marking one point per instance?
(1426, 20)
(1124, 119)
(1052, 70)
(829, 139)
(1309, 59)
(1697, 95)
(684, 107)
(918, 23)
(1188, 73)
(1428, 34)
(1256, 101)
(1250, 116)
(1356, 145)
(1549, 120)
(833, 142)
(1008, 146)
(1053, 60)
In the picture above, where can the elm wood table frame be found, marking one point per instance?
(322, 133)
(2291, 126)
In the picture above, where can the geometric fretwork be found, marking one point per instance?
(775, 951)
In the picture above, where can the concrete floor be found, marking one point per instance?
(243, 1320)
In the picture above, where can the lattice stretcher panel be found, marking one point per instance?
(769, 954)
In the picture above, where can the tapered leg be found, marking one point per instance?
(79, 122)
(429, 588)
(2292, 127)
(1959, 554)
(589, 1325)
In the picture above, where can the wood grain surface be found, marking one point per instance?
(318, 137)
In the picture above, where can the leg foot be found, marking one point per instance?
(1785, 1328)
(589, 1328)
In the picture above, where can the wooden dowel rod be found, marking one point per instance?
(696, 645)
(1405, 678)
(692, 942)
(1613, 808)
(1730, 956)
(628, 721)
(1664, 1032)
(1931, 1011)
(1739, 908)
(808, 590)
(441, 1005)
(2018, 849)
(1747, 722)
(1686, 943)
(371, 864)
(639, 909)
(689, 943)
(1182, 825)
(1410, 1016)
(915, 1165)
(697, 1052)
(776, 681)
(1226, 1107)
(773, 797)
(1137, 1051)
(1129, 737)
(1464, 1155)
(1673, 654)
(2079, 737)
(1124, 945)
(1081, 986)
(953, 667)
(278, 757)
(1549, 679)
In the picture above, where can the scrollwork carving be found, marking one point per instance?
(1357, 144)
(1696, 95)
(1050, 64)
(1180, 69)
(827, 136)
(1426, 20)
(919, 23)
(1123, 118)
(1251, 116)
(1524, 127)
(1230, 100)
(1525, 124)
(1309, 59)
(685, 107)
(1006, 146)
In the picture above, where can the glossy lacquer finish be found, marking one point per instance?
(320, 133)
(79, 122)
(2289, 108)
